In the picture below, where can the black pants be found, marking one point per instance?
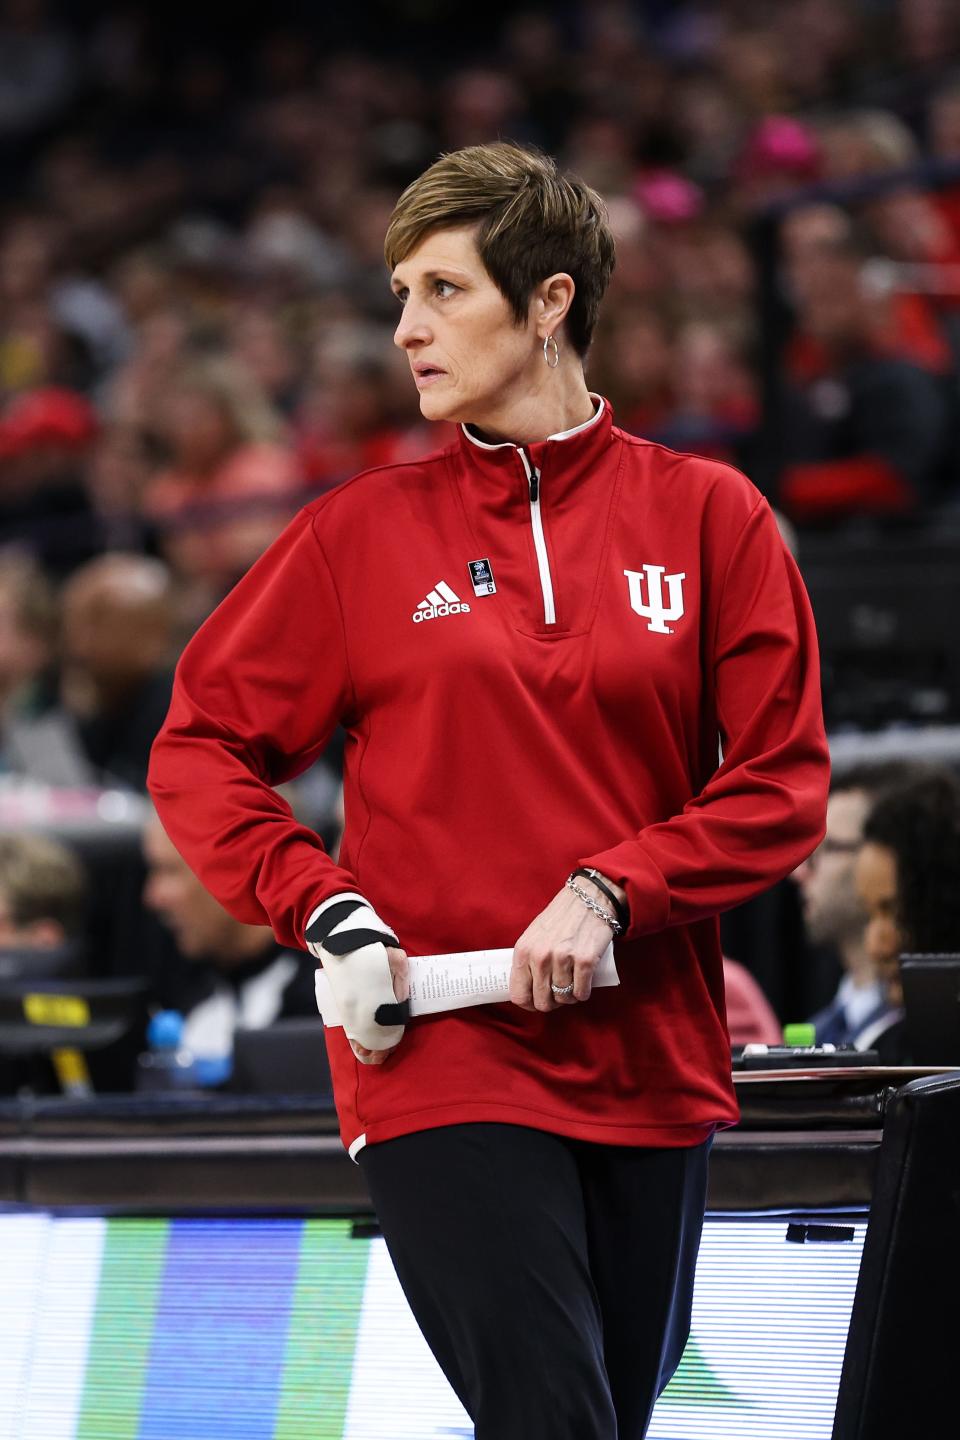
(551, 1278)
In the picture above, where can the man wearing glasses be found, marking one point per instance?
(832, 912)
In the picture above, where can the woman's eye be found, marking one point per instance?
(445, 289)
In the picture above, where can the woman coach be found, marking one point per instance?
(536, 641)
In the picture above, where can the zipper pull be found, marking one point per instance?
(533, 475)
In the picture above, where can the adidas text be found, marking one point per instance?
(432, 612)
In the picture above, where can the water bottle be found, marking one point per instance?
(166, 1064)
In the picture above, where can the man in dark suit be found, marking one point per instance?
(239, 975)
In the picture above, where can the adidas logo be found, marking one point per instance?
(441, 601)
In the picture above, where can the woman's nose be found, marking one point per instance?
(412, 329)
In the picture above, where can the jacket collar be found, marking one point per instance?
(562, 459)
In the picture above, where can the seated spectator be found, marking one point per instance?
(117, 637)
(263, 348)
(779, 155)
(715, 409)
(242, 976)
(344, 422)
(116, 479)
(943, 123)
(633, 368)
(159, 354)
(864, 141)
(42, 894)
(231, 486)
(908, 879)
(906, 220)
(833, 912)
(865, 431)
(905, 324)
(45, 436)
(28, 624)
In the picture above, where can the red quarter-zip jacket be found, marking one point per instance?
(645, 611)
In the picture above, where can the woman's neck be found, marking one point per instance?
(558, 401)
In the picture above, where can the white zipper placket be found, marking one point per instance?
(539, 539)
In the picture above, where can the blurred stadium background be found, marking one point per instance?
(195, 340)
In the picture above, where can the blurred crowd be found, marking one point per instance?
(195, 324)
(195, 329)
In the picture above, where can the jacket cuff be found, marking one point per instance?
(648, 894)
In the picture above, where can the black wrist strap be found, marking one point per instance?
(319, 933)
(620, 907)
(396, 1014)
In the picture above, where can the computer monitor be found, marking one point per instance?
(931, 1004)
(288, 1057)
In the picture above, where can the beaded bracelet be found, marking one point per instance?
(592, 904)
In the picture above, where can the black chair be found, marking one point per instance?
(899, 1368)
(46, 1023)
(19, 962)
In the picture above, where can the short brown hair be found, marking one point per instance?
(532, 221)
(40, 879)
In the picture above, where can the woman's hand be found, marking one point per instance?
(562, 946)
(400, 971)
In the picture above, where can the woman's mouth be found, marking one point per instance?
(427, 375)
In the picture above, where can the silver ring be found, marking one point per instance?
(561, 989)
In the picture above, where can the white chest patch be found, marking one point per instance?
(650, 580)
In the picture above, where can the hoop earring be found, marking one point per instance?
(551, 340)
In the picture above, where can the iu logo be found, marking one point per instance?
(654, 610)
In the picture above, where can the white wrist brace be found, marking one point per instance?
(349, 939)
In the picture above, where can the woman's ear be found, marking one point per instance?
(552, 300)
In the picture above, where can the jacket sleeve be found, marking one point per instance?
(763, 811)
(256, 697)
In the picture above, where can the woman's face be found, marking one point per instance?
(470, 360)
(875, 875)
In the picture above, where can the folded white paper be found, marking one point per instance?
(451, 982)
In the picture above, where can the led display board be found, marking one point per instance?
(286, 1329)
